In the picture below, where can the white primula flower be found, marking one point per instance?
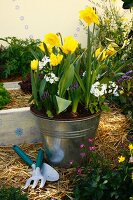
(84, 73)
(110, 91)
(104, 88)
(56, 78)
(51, 78)
(47, 79)
(41, 65)
(113, 88)
(98, 89)
(96, 84)
(44, 61)
(52, 75)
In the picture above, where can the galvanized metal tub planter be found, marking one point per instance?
(63, 138)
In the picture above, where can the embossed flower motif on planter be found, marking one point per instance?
(19, 131)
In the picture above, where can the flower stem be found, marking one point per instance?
(88, 69)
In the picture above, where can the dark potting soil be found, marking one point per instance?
(66, 115)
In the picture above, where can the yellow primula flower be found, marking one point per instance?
(55, 59)
(121, 159)
(70, 45)
(89, 16)
(130, 146)
(34, 64)
(52, 39)
(110, 50)
(121, 91)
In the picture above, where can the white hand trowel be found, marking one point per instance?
(47, 171)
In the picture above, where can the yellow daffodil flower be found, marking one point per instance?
(41, 46)
(34, 64)
(110, 50)
(98, 51)
(55, 59)
(130, 146)
(121, 159)
(52, 39)
(103, 56)
(89, 16)
(70, 45)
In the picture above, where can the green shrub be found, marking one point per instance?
(15, 58)
(102, 179)
(12, 194)
(4, 96)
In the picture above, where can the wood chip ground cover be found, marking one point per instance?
(111, 135)
(18, 99)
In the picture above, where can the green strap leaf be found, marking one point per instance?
(80, 81)
(42, 87)
(66, 80)
(34, 90)
(122, 66)
(62, 104)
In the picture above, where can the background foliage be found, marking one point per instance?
(16, 56)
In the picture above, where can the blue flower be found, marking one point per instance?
(19, 131)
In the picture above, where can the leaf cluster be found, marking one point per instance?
(127, 4)
(4, 96)
(16, 56)
(12, 194)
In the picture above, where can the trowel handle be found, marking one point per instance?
(23, 155)
(39, 158)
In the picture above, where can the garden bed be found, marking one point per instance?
(111, 136)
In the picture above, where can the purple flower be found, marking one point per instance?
(71, 162)
(125, 77)
(129, 72)
(79, 171)
(92, 148)
(120, 80)
(90, 140)
(74, 86)
(82, 146)
(45, 95)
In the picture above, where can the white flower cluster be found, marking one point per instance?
(112, 88)
(51, 78)
(98, 89)
(44, 61)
